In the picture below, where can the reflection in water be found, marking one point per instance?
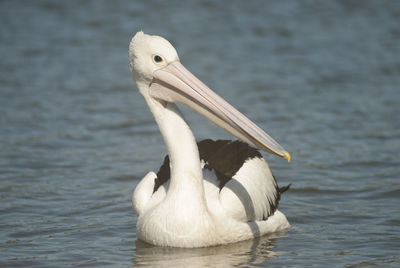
(254, 251)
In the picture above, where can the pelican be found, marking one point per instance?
(207, 193)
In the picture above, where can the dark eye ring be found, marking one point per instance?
(157, 59)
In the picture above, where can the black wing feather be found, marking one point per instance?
(225, 157)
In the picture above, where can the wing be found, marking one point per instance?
(146, 195)
(252, 194)
(152, 189)
(248, 190)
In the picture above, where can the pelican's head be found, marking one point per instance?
(147, 54)
(158, 73)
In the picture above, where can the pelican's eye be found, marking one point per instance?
(158, 59)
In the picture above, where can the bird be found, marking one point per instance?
(205, 193)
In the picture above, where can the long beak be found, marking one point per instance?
(174, 83)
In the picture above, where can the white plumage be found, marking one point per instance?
(196, 204)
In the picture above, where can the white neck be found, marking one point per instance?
(186, 183)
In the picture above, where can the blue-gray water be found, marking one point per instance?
(321, 77)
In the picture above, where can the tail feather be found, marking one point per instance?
(284, 189)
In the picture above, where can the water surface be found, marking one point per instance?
(320, 77)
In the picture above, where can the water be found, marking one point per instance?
(76, 137)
